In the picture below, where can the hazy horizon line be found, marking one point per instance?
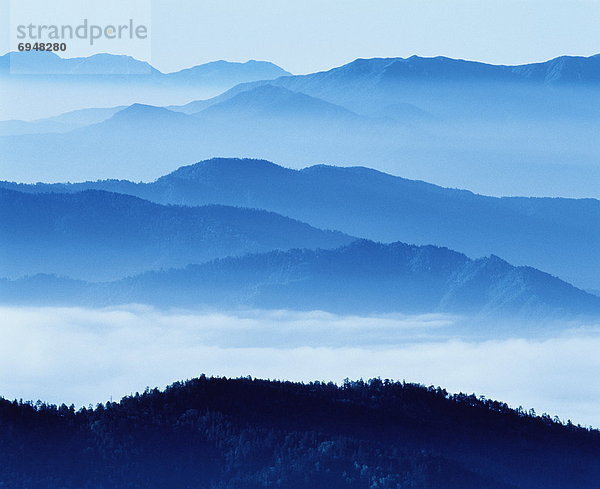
(331, 67)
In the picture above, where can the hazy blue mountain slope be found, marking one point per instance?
(132, 141)
(146, 116)
(16, 127)
(263, 101)
(101, 236)
(105, 80)
(105, 66)
(142, 142)
(228, 72)
(62, 123)
(500, 130)
(497, 130)
(269, 101)
(540, 232)
(40, 63)
(560, 236)
(564, 69)
(367, 83)
(362, 277)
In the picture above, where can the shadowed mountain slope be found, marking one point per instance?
(370, 82)
(560, 236)
(363, 277)
(101, 236)
(268, 101)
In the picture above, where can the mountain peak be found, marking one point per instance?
(226, 168)
(49, 63)
(146, 112)
(268, 100)
(235, 72)
(443, 68)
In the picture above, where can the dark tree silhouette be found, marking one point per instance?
(221, 433)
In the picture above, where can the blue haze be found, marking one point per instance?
(558, 236)
(498, 130)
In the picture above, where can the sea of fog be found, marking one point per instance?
(84, 356)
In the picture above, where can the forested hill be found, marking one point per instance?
(215, 433)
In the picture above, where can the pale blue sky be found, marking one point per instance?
(310, 35)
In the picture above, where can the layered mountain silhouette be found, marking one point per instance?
(58, 124)
(376, 81)
(560, 236)
(227, 72)
(499, 130)
(98, 235)
(49, 63)
(105, 80)
(42, 126)
(369, 82)
(363, 277)
(146, 117)
(143, 141)
(264, 103)
(245, 233)
(268, 101)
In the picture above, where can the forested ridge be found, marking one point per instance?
(222, 433)
(540, 232)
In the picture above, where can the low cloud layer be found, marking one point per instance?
(84, 356)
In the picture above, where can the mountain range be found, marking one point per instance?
(559, 236)
(143, 141)
(41, 63)
(97, 235)
(104, 80)
(58, 124)
(239, 239)
(497, 130)
(361, 278)
(464, 115)
(365, 85)
(268, 101)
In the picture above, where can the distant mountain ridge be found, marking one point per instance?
(98, 235)
(559, 236)
(228, 71)
(278, 102)
(106, 80)
(576, 69)
(453, 122)
(368, 73)
(260, 103)
(49, 63)
(370, 80)
(565, 69)
(58, 124)
(362, 278)
(143, 115)
(146, 140)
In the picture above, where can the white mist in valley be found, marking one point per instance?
(82, 356)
